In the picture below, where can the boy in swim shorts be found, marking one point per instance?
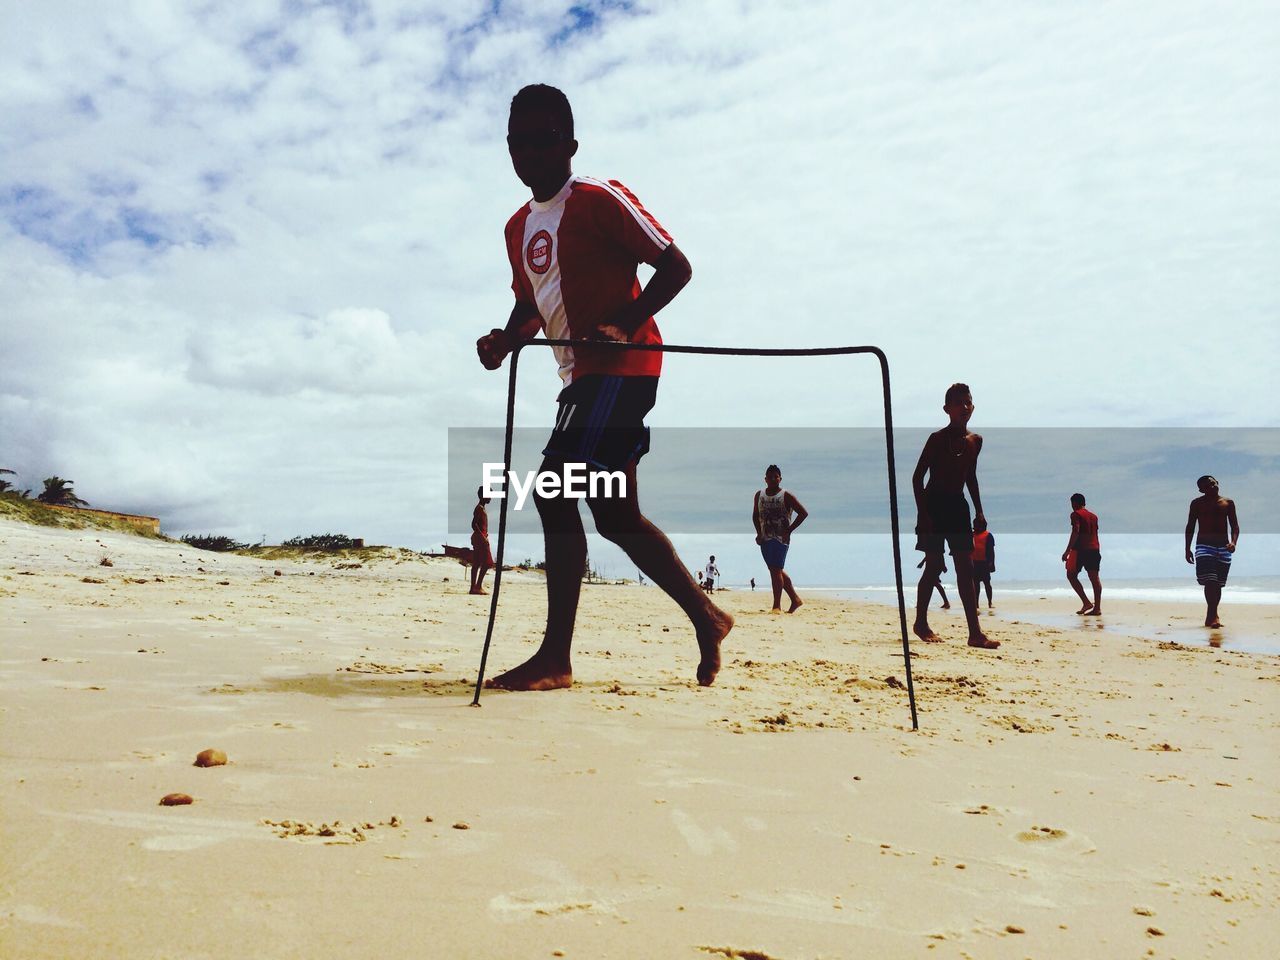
(1213, 514)
(950, 459)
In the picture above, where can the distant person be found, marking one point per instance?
(574, 249)
(771, 512)
(1214, 548)
(984, 559)
(1084, 553)
(481, 555)
(753, 583)
(710, 575)
(942, 591)
(950, 459)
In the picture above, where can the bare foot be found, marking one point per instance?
(709, 636)
(946, 606)
(922, 631)
(534, 674)
(477, 592)
(796, 605)
(1215, 622)
(776, 611)
(983, 642)
(1095, 612)
(1087, 608)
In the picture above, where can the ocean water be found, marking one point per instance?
(1246, 590)
(1184, 628)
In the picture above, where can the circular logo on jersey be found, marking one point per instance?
(538, 252)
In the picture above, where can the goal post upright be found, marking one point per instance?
(712, 351)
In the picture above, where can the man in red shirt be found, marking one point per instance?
(574, 249)
(1083, 553)
(984, 559)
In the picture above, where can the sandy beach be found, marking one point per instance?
(1077, 793)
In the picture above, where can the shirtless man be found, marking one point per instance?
(481, 555)
(1214, 548)
(950, 458)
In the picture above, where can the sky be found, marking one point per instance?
(246, 249)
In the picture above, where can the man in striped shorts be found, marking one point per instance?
(574, 249)
(1213, 514)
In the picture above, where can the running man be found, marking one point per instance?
(984, 559)
(1213, 513)
(771, 512)
(574, 249)
(950, 458)
(1084, 553)
(481, 555)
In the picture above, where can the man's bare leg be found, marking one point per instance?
(775, 581)
(550, 668)
(787, 585)
(478, 572)
(1212, 595)
(620, 521)
(1096, 582)
(924, 593)
(1074, 580)
(969, 599)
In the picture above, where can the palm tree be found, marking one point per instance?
(58, 493)
(5, 484)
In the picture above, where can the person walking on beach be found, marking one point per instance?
(1084, 553)
(950, 459)
(1213, 514)
(574, 249)
(711, 574)
(984, 559)
(481, 555)
(937, 585)
(771, 512)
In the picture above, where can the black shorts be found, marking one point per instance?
(981, 571)
(601, 421)
(951, 526)
(1088, 560)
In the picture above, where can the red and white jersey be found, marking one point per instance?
(574, 257)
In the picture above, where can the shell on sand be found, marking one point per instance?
(210, 758)
(176, 799)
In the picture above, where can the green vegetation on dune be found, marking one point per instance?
(14, 506)
(363, 554)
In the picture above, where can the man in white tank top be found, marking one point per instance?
(772, 512)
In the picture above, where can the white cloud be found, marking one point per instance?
(241, 230)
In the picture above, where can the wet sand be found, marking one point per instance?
(1075, 793)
